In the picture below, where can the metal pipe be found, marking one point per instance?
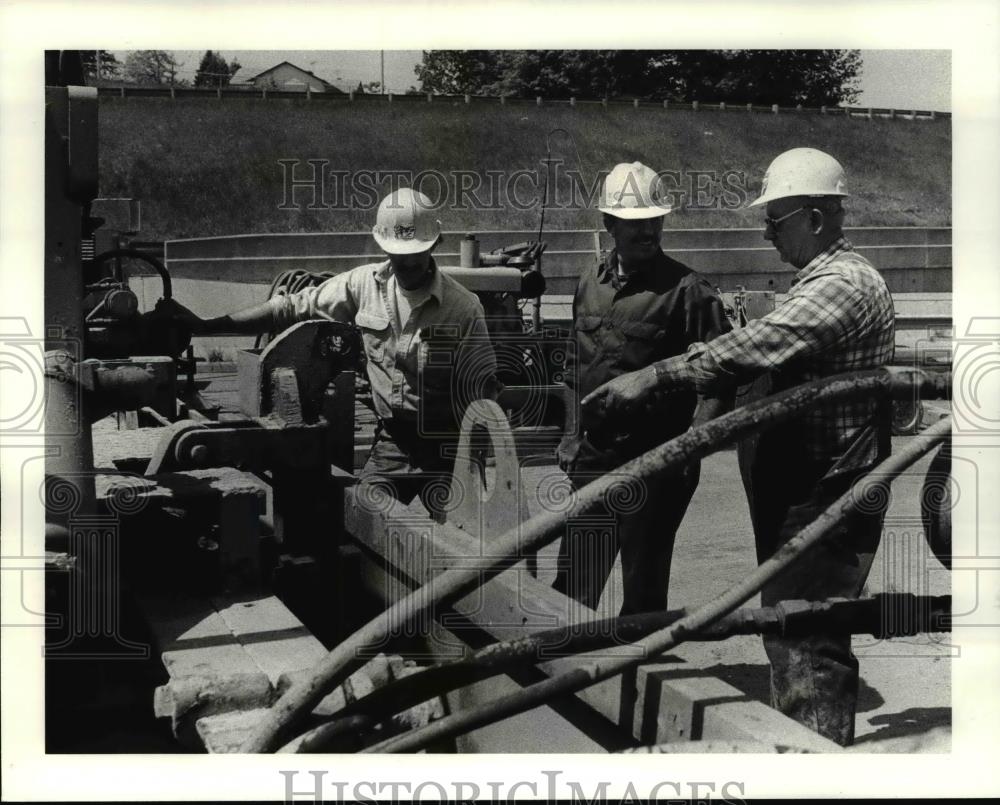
(584, 676)
(151, 259)
(70, 184)
(536, 305)
(884, 615)
(505, 551)
(486, 278)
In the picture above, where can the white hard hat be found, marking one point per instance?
(801, 172)
(633, 191)
(405, 223)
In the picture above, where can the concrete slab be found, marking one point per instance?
(905, 683)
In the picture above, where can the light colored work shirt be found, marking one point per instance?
(396, 345)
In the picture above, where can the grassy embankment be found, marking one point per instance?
(210, 167)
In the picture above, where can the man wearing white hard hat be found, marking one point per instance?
(838, 317)
(398, 304)
(638, 307)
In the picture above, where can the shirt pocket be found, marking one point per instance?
(641, 343)
(375, 333)
(589, 338)
(588, 324)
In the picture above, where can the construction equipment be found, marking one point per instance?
(251, 560)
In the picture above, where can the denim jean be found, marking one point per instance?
(814, 680)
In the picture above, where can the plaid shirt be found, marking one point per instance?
(838, 317)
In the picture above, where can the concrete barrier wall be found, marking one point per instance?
(290, 244)
(217, 275)
(913, 260)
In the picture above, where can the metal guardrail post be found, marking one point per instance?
(164, 91)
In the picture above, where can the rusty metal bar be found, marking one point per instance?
(870, 486)
(453, 584)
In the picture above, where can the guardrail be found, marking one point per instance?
(912, 259)
(220, 93)
(217, 275)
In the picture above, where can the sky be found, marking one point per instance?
(900, 79)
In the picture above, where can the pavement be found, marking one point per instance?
(905, 682)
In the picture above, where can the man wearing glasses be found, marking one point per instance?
(837, 317)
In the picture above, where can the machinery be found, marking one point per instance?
(277, 603)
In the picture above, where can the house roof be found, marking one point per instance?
(323, 81)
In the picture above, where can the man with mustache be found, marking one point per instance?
(638, 307)
(838, 317)
(400, 305)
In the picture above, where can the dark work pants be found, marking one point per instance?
(641, 524)
(404, 464)
(813, 680)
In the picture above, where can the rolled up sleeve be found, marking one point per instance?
(336, 299)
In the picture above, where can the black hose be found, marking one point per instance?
(886, 615)
(454, 583)
(293, 281)
(583, 676)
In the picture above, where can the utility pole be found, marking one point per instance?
(382, 59)
(98, 60)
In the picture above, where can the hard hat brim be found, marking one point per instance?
(394, 246)
(637, 213)
(768, 197)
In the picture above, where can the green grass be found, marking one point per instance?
(210, 167)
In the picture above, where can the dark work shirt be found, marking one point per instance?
(625, 324)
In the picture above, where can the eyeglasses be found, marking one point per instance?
(772, 223)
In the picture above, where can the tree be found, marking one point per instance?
(785, 77)
(456, 72)
(215, 71)
(582, 74)
(100, 64)
(151, 67)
